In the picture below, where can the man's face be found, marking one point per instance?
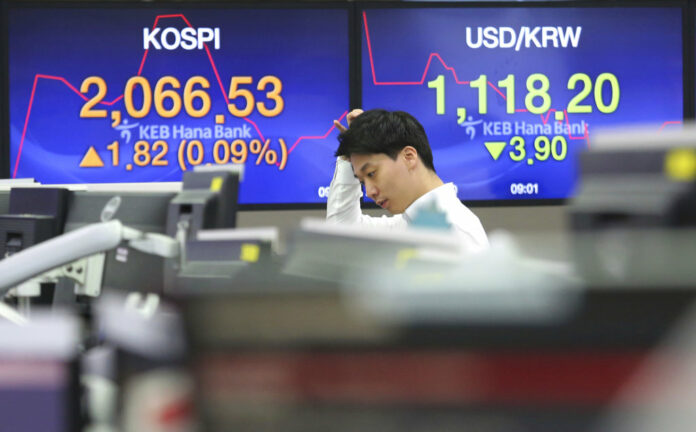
(386, 180)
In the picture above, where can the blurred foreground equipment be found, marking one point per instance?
(634, 218)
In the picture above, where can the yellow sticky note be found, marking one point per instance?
(680, 164)
(216, 184)
(250, 252)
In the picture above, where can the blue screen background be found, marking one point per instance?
(642, 47)
(307, 49)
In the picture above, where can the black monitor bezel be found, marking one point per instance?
(7, 5)
(688, 55)
(354, 9)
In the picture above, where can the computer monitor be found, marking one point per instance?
(205, 200)
(125, 268)
(141, 94)
(510, 94)
(633, 217)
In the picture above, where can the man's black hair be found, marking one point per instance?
(380, 131)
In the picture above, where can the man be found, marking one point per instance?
(389, 153)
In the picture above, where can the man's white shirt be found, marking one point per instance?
(343, 206)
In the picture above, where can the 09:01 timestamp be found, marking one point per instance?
(524, 188)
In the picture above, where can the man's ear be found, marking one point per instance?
(410, 156)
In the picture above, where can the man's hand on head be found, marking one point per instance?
(349, 118)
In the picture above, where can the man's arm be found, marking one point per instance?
(343, 204)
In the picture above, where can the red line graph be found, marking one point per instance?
(456, 79)
(140, 70)
(317, 137)
(544, 119)
(669, 123)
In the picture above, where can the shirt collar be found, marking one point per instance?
(440, 195)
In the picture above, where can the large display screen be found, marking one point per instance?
(106, 94)
(510, 95)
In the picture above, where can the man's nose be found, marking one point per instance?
(371, 191)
